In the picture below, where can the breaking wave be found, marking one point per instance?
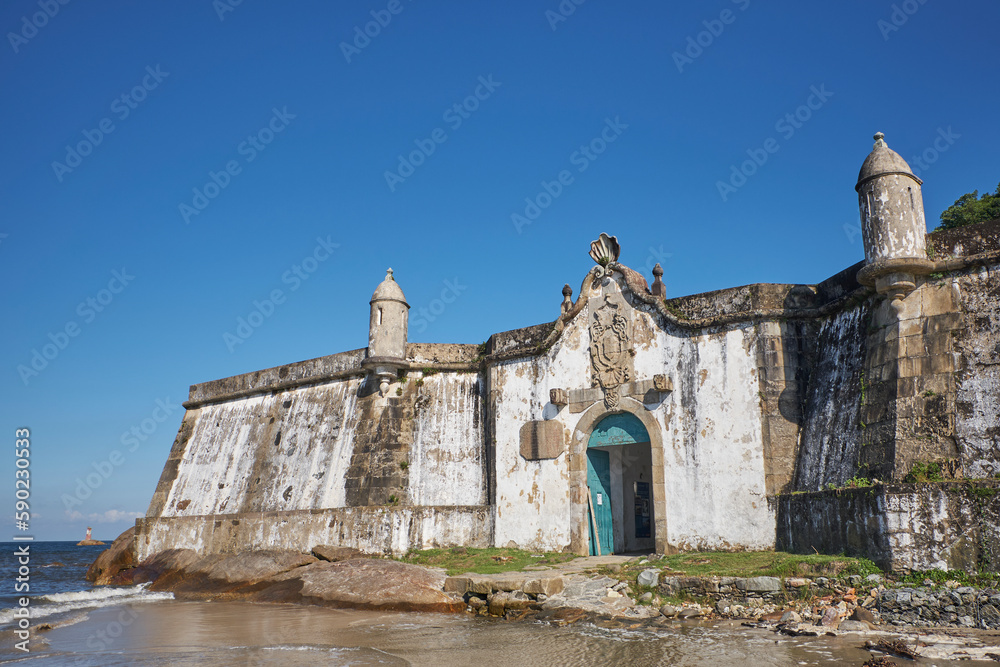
(58, 603)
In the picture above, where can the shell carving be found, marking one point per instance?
(605, 249)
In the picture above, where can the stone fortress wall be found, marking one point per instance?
(761, 402)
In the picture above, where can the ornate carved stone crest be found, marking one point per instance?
(610, 324)
(611, 345)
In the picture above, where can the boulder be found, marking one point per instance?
(118, 558)
(853, 626)
(831, 617)
(333, 554)
(790, 617)
(668, 611)
(648, 577)
(502, 601)
(384, 585)
(497, 603)
(863, 615)
(216, 575)
(544, 586)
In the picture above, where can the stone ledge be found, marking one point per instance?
(484, 584)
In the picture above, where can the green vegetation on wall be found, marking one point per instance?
(970, 209)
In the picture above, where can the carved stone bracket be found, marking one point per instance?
(649, 392)
(558, 397)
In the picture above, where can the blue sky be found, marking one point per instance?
(167, 165)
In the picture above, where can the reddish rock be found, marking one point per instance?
(169, 564)
(362, 584)
(831, 617)
(863, 615)
(218, 575)
(291, 576)
(335, 554)
(115, 560)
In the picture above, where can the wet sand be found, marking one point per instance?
(220, 633)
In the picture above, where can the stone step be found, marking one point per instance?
(484, 584)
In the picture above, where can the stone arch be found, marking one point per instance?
(579, 535)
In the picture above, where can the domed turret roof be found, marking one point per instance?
(388, 290)
(883, 160)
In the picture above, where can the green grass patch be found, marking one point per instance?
(981, 580)
(923, 472)
(765, 563)
(459, 560)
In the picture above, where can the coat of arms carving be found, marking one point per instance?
(610, 345)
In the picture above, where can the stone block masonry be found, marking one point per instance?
(901, 527)
(961, 606)
(756, 406)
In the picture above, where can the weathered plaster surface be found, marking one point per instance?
(389, 530)
(831, 423)
(710, 426)
(892, 217)
(977, 399)
(447, 457)
(268, 453)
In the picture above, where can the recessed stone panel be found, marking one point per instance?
(542, 440)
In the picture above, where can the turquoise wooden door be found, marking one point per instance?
(599, 481)
(617, 429)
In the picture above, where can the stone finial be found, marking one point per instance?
(567, 301)
(658, 288)
(388, 274)
(879, 141)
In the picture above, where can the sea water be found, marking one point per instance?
(128, 625)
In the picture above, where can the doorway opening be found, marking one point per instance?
(620, 483)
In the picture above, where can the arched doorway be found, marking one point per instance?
(620, 486)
